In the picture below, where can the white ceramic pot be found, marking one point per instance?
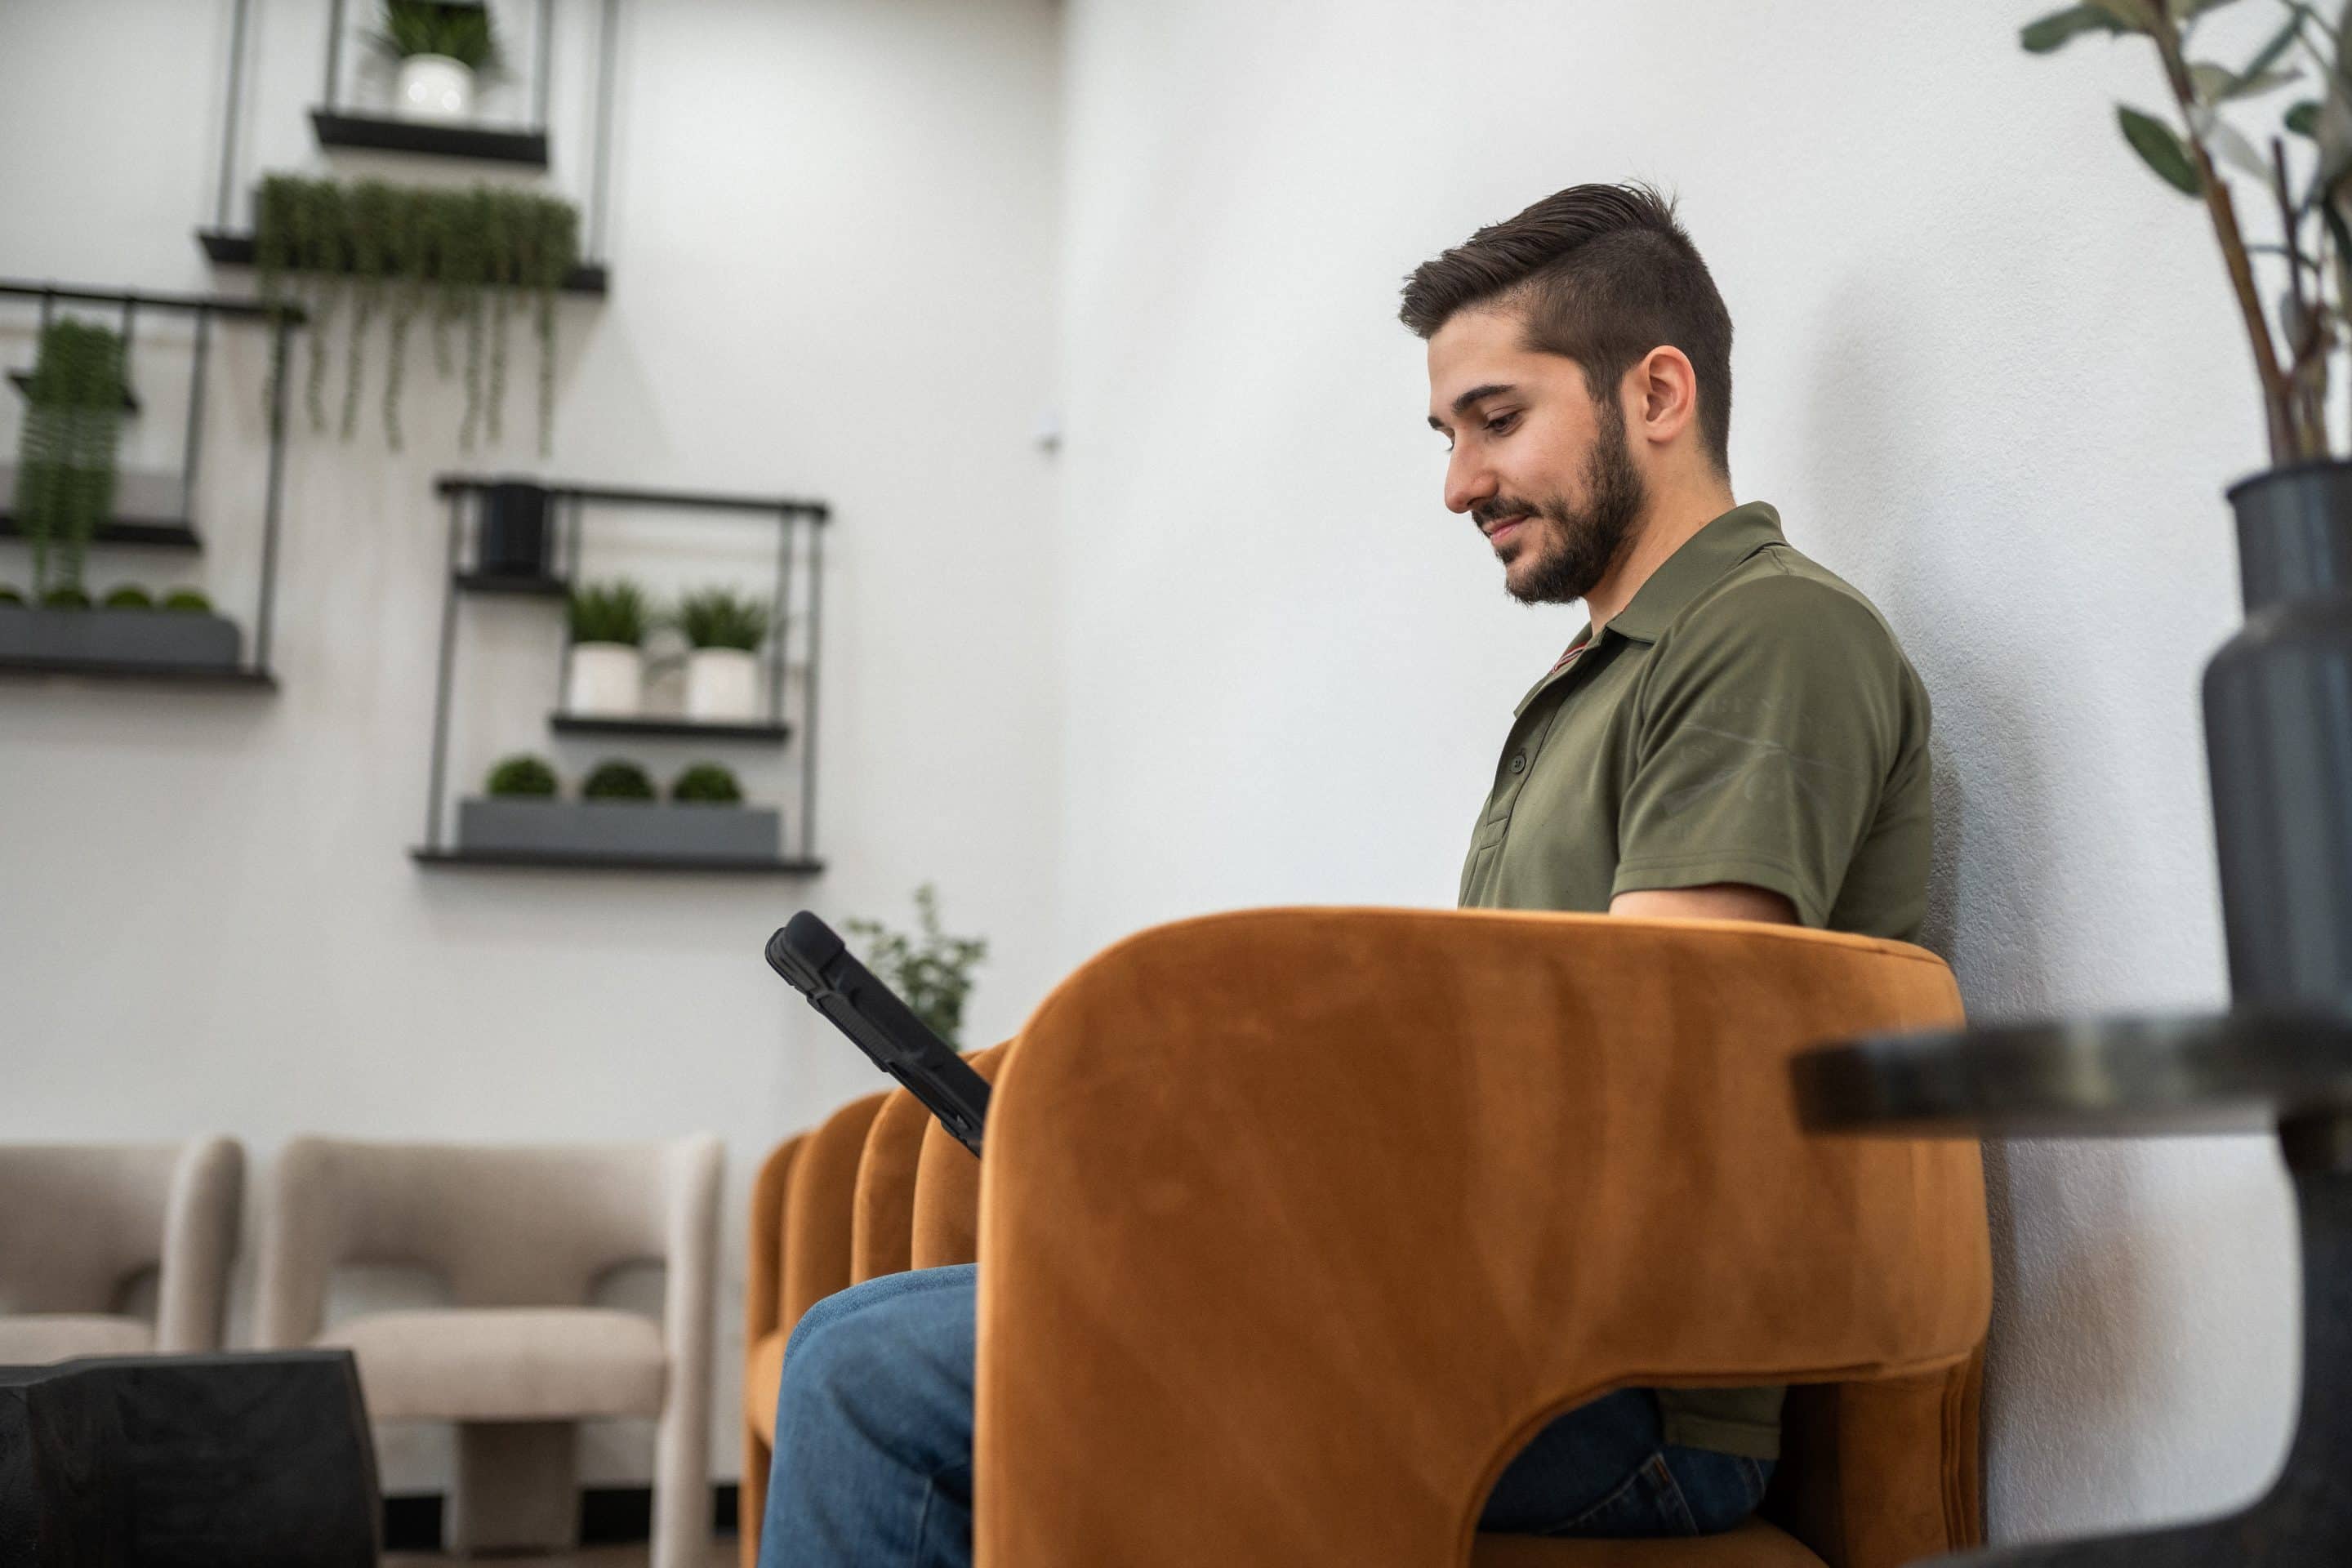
(722, 685)
(607, 678)
(434, 86)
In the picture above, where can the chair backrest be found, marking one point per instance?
(763, 1274)
(1576, 1167)
(81, 1220)
(882, 1214)
(947, 1187)
(502, 1225)
(818, 1210)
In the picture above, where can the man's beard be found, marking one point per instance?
(1578, 545)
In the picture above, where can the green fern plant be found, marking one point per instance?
(610, 611)
(718, 618)
(934, 978)
(462, 33)
(66, 449)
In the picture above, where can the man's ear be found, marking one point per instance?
(1665, 393)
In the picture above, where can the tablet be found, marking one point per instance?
(807, 952)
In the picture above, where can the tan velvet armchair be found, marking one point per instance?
(1297, 1224)
(81, 1222)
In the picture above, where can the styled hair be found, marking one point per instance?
(1604, 275)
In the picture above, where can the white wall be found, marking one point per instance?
(1987, 368)
(832, 244)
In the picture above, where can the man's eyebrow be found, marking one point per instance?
(1462, 404)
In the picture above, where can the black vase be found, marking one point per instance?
(514, 540)
(2278, 740)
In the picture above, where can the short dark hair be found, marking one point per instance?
(1605, 274)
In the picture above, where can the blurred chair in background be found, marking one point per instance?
(522, 1237)
(84, 1221)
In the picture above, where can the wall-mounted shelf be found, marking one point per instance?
(508, 582)
(492, 143)
(538, 529)
(167, 533)
(150, 674)
(668, 729)
(515, 860)
(228, 250)
(23, 380)
(158, 510)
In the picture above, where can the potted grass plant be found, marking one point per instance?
(2269, 170)
(442, 51)
(607, 670)
(724, 630)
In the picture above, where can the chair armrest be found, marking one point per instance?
(200, 1226)
(1314, 1217)
(947, 1186)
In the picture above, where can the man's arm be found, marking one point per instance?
(1716, 901)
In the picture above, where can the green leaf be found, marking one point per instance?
(2303, 118)
(2160, 149)
(2130, 16)
(2055, 31)
(2281, 41)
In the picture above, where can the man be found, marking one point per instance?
(1736, 735)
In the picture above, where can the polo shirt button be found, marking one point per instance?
(1518, 761)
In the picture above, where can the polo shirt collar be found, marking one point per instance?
(1704, 558)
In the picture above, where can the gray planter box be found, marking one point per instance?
(618, 830)
(179, 639)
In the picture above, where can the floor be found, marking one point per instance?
(722, 1555)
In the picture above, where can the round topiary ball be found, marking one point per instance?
(525, 776)
(188, 599)
(707, 784)
(618, 780)
(65, 599)
(131, 596)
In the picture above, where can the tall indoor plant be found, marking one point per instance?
(2277, 696)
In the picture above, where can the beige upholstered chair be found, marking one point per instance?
(80, 1223)
(522, 1236)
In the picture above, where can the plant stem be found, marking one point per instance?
(2286, 446)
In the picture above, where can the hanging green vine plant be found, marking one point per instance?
(65, 469)
(459, 255)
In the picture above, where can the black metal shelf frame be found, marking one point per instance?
(565, 505)
(338, 127)
(180, 531)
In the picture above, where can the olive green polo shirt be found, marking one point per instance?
(1748, 716)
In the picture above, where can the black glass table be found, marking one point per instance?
(2126, 1077)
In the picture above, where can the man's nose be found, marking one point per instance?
(1467, 481)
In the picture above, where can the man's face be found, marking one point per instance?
(1543, 469)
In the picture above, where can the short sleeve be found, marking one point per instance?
(1768, 723)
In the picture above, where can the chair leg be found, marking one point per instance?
(752, 1497)
(518, 1486)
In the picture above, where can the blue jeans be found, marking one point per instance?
(873, 1458)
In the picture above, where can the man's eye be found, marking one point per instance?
(1501, 423)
